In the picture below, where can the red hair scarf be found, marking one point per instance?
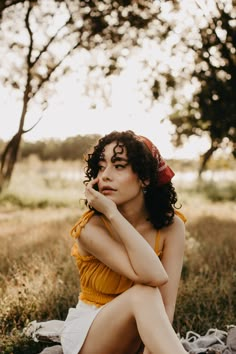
(165, 173)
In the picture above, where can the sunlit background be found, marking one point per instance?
(69, 110)
(69, 115)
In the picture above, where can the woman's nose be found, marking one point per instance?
(106, 174)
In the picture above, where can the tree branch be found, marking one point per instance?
(52, 70)
(50, 41)
(31, 43)
(4, 5)
(34, 125)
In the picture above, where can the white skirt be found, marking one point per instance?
(76, 326)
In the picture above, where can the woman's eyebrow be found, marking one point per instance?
(119, 159)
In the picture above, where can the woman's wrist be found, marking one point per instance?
(111, 214)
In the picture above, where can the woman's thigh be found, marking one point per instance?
(114, 329)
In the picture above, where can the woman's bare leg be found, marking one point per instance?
(137, 313)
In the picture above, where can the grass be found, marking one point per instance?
(37, 184)
(39, 280)
(207, 296)
(38, 277)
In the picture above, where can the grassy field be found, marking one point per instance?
(38, 277)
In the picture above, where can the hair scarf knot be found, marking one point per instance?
(165, 173)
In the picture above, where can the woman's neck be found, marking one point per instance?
(135, 212)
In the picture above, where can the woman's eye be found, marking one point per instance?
(101, 168)
(119, 167)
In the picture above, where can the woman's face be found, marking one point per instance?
(117, 180)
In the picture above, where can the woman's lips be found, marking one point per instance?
(107, 190)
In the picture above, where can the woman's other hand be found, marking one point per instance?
(97, 200)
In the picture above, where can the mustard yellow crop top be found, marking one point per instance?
(94, 285)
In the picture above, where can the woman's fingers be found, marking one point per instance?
(90, 193)
(96, 199)
(94, 181)
(91, 184)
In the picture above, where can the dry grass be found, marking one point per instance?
(207, 295)
(38, 278)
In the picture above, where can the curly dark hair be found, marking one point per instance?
(160, 200)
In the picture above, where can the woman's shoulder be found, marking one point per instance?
(88, 218)
(179, 221)
(180, 216)
(176, 230)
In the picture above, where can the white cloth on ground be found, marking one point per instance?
(76, 326)
(40, 331)
(215, 341)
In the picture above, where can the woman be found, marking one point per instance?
(129, 251)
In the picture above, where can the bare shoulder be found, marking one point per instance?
(93, 226)
(178, 223)
(175, 231)
(93, 232)
(95, 220)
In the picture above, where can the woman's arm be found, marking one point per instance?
(172, 260)
(132, 256)
(143, 258)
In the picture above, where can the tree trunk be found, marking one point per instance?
(10, 153)
(8, 160)
(205, 157)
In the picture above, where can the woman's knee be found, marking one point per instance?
(143, 294)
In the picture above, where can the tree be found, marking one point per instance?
(38, 37)
(216, 72)
(4, 4)
(212, 107)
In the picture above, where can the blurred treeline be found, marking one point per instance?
(72, 148)
(75, 148)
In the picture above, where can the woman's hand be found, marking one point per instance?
(97, 200)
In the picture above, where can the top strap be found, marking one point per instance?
(180, 215)
(76, 229)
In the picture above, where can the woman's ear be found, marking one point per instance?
(145, 183)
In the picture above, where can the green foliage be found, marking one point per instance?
(212, 191)
(74, 148)
(212, 109)
(22, 202)
(219, 192)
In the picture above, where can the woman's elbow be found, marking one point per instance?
(165, 279)
(161, 280)
(158, 281)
